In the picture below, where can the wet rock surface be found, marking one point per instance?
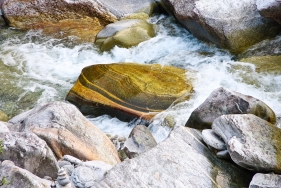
(228, 24)
(140, 140)
(128, 90)
(223, 101)
(252, 142)
(125, 33)
(270, 9)
(182, 160)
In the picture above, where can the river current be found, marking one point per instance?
(35, 69)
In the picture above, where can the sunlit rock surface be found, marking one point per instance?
(234, 25)
(270, 9)
(65, 127)
(81, 18)
(265, 181)
(3, 116)
(180, 161)
(12, 176)
(223, 101)
(129, 90)
(252, 142)
(28, 151)
(125, 33)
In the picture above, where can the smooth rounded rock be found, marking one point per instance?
(128, 90)
(63, 178)
(212, 139)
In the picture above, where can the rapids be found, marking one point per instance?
(35, 68)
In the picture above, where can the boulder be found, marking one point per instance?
(223, 101)
(212, 139)
(182, 160)
(265, 181)
(28, 151)
(227, 23)
(252, 142)
(270, 9)
(12, 176)
(128, 90)
(125, 33)
(62, 18)
(140, 140)
(64, 126)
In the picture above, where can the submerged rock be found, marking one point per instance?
(140, 140)
(223, 101)
(128, 90)
(125, 33)
(182, 160)
(64, 18)
(270, 9)
(28, 151)
(230, 24)
(63, 120)
(12, 176)
(252, 142)
(265, 181)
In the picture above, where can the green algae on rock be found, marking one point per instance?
(125, 33)
(128, 90)
(266, 64)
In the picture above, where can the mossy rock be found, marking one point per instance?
(3, 116)
(128, 90)
(126, 33)
(265, 64)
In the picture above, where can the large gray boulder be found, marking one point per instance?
(270, 9)
(67, 131)
(13, 177)
(223, 101)
(28, 151)
(140, 140)
(252, 142)
(181, 161)
(266, 181)
(230, 24)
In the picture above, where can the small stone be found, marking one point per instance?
(212, 139)
(223, 154)
(63, 163)
(71, 159)
(63, 178)
(69, 169)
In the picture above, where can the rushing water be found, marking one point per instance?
(36, 69)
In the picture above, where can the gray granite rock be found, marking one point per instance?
(252, 142)
(4, 126)
(14, 177)
(270, 9)
(28, 151)
(87, 173)
(223, 101)
(266, 181)
(181, 161)
(62, 163)
(230, 24)
(67, 132)
(212, 139)
(63, 180)
(139, 141)
(71, 159)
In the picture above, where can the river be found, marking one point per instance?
(35, 69)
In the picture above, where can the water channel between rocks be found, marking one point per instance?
(36, 69)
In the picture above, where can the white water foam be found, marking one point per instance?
(51, 67)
